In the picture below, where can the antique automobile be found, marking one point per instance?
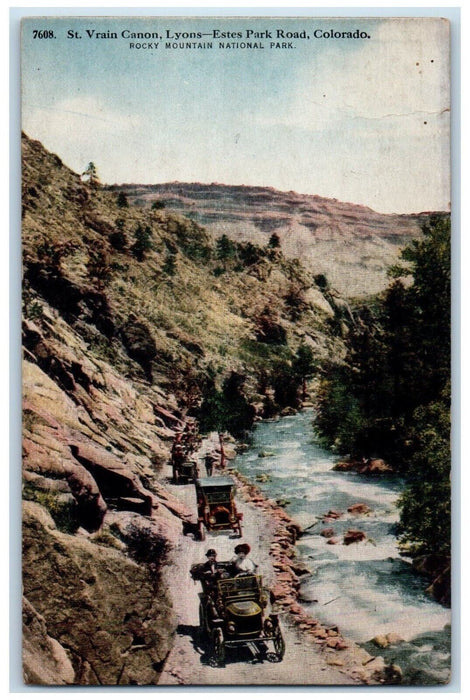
(216, 509)
(232, 613)
(185, 471)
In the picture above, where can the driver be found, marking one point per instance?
(210, 572)
(241, 563)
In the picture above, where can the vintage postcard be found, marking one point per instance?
(236, 351)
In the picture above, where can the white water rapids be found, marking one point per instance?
(365, 588)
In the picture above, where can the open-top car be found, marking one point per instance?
(232, 613)
(216, 508)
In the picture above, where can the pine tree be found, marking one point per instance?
(90, 175)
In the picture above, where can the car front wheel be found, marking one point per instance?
(219, 646)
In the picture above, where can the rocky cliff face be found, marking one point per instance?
(126, 314)
(353, 245)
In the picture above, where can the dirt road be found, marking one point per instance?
(189, 662)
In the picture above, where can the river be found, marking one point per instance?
(365, 588)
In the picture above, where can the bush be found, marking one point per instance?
(158, 204)
(122, 200)
(142, 242)
(145, 545)
(64, 513)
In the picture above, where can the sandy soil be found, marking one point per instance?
(189, 662)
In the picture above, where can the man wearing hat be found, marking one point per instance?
(210, 572)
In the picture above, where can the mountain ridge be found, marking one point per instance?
(351, 244)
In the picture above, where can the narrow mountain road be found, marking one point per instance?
(189, 662)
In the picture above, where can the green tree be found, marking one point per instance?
(122, 200)
(304, 366)
(118, 238)
(142, 243)
(158, 204)
(391, 395)
(425, 503)
(90, 175)
(225, 249)
(169, 267)
(228, 408)
(274, 241)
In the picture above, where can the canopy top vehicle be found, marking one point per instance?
(216, 508)
(232, 613)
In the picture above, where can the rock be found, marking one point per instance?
(334, 540)
(139, 343)
(381, 641)
(393, 674)
(332, 643)
(440, 588)
(265, 453)
(347, 466)
(91, 507)
(100, 605)
(328, 532)
(436, 567)
(115, 480)
(352, 536)
(45, 661)
(288, 411)
(359, 509)
(332, 515)
(342, 645)
(393, 638)
(376, 466)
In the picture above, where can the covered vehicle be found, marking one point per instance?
(232, 613)
(216, 509)
(185, 471)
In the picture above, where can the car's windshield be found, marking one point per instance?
(240, 585)
(218, 496)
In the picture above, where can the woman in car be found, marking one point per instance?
(241, 563)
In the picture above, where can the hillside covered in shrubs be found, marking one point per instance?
(132, 319)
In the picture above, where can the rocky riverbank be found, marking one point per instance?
(335, 649)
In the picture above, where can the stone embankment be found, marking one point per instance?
(338, 651)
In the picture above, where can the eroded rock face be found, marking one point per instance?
(108, 611)
(45, 661)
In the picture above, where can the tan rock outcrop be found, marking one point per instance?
(107, 610)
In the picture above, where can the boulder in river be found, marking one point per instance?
(332, 515)
(381, 641)
(359, 509)
(328, 532)
(375, 466)
(352, 536)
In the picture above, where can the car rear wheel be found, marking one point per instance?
(279, 644)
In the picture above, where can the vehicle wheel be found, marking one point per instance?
(219, 646)
(279, 644)
(201, 531)
(202, 624)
